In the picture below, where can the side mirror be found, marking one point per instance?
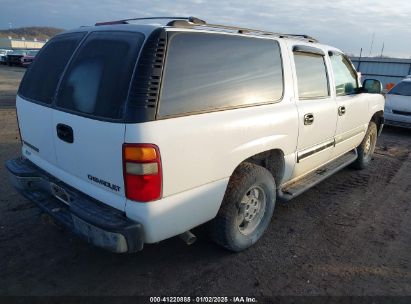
(372, 86)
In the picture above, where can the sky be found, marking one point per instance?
(349, 25)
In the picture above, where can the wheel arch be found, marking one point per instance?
(378, 119)
(272, 160)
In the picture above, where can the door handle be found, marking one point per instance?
(341, 110)
(308, 119)
(65, 133)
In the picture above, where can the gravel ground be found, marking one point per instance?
(347, 236)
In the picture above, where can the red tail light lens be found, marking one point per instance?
(142, 172)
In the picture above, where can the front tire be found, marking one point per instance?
(247, 208)
(366, 148)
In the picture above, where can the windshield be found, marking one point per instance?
(32, 53)
(18, 52)
(403, 88)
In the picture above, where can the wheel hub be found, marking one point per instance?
(251, 211)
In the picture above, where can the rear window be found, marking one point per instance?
(97, 80)
(41, 79)
(206, 72)
(403, 88)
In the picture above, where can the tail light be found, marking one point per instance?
(142, 172)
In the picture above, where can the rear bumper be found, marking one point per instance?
(97, 223)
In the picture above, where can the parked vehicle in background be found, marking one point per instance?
(3, 55)
(14, 57)
(133, 133)
(398, 104)
(29, 58)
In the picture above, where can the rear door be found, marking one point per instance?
(317, 112)
(35, 98)
(88, 127)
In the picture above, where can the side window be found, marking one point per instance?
(206, 72)
(41, 79)
(311, 75)
(98, 78)
(345, 76)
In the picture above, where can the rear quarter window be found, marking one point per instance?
(206, 72)
(41, 79)
(98, 78)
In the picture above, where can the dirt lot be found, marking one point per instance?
(350, 235)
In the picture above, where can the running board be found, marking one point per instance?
(295, 188)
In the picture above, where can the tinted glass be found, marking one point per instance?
(98, 78)
(403, 88)
(41, 79)
(311, 75)
(18, 52)
(344, 75)
(32, 53)
(209, 72)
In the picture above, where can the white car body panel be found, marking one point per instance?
(35, 128)
(90, 153)
(178, 213)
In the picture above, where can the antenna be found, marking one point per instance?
(372, 43)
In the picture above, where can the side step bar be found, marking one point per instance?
(295, 188)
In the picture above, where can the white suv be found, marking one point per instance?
(135, 133)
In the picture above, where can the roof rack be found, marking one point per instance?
(190, 22)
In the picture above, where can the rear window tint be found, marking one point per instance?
(41, 79)
(403, 88)
(97, 80)
(206, 72)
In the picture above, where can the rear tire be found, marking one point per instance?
(246, 210)
(366, 148)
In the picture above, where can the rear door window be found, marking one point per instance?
(97, 80)
(311, 75)
(206, 72)
(41, 79)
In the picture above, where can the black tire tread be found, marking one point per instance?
(219, 225)
(360, 163)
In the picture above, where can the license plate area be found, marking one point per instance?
(60, 193)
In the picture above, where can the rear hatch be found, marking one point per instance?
(77, 131)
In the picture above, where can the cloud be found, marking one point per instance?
(347, 24)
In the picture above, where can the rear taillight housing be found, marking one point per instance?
(142, 172)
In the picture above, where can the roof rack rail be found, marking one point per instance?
(187, 20)
(190, 22)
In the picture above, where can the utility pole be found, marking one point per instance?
(359, 60)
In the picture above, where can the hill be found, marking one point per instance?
(41, 33)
